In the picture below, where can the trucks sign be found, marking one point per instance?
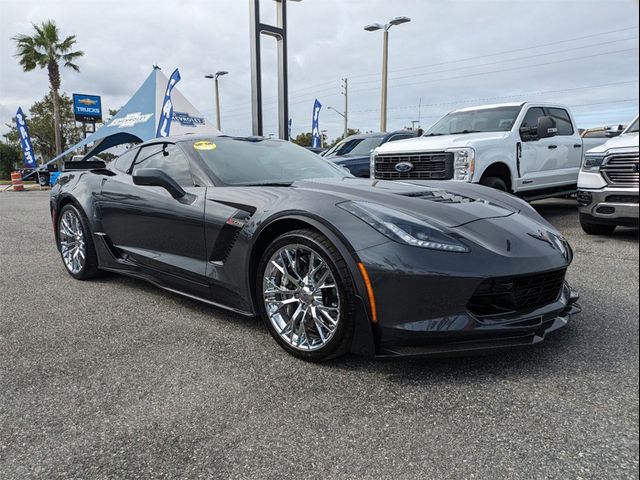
(87, 108)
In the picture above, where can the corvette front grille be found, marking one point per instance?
(507, 295)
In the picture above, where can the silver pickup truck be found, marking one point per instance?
(608, 184)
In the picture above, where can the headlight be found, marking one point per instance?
(464, 163)
(372, 165)
(402, 227)
(592, 162)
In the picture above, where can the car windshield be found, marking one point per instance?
(499, 119)
(355, 146)
(259, 161)
(633, 128)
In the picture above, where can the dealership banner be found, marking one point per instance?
(166, 114)
(289, 124)
(28, 154)
(315, 127)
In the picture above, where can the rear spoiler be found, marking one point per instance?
(84, 165)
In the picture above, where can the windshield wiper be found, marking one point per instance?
(465, 131)
(266, 184)
(433, 134)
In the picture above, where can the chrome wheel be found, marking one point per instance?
(72, 241)
(301, 297)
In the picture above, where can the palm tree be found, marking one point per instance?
(44, 49)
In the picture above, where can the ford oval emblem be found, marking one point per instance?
(404, 167)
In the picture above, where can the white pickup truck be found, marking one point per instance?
(608, 184)
(531, 149)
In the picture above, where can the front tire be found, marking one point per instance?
(592, 228)
(75, 244)
(306, 296)
(494, 182)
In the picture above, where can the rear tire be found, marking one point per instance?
(306, 296)
(75, 244)
(494, 182)
(593, 228)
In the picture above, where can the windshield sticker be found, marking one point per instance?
(204, 145)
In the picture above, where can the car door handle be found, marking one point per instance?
(577, 145)
(551, 147)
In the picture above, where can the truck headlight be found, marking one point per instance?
(464, 163)
(372, 165)
(592, 162)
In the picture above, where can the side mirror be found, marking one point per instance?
(154, 177)
(546, 127)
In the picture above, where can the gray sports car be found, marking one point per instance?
(332, 263)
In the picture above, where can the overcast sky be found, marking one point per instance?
(452, 54)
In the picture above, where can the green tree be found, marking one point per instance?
(305, 139)
(350, 131)
(41, 129)
(9, 159)
(45, 49)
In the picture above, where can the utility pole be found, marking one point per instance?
(345, 92)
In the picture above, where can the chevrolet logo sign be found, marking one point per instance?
(87, 101)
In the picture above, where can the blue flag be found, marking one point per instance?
(315, 126)
(25, 141)
(164, 125)
(290, 123)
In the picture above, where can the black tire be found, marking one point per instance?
(494, 182)
(340, 342)
(90, 267)
(593, 228)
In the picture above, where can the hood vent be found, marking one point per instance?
(440, 196)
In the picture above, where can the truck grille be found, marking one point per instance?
(621, 170)
(507, 295)
(426, 166)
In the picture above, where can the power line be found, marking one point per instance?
(502, 97)
(506, 69)
(502, 61)
(311, 87)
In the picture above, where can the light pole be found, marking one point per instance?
(343, 115)
(385, 60)
(215, 76)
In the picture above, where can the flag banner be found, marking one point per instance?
(28, 154)
(290, 123)
(315, 125)
(164, 125)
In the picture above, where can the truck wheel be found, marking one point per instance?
(591, 228)
(494, 182)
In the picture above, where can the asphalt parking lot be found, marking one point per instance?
(114, 378)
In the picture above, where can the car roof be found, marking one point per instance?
(377, 134)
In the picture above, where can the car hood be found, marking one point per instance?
(438, 143)
(627, 140)
(447, 203)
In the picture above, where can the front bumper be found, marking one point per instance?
(610, 204)
(466, 334)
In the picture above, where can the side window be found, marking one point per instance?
(532, 116)
(399, 137)
(123, 162)
(145, 156)
(563, 120)
(168, 158)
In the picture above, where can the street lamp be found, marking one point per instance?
(215, 76)
(343, 115)
(385, 54)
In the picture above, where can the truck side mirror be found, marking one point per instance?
(546, 127)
